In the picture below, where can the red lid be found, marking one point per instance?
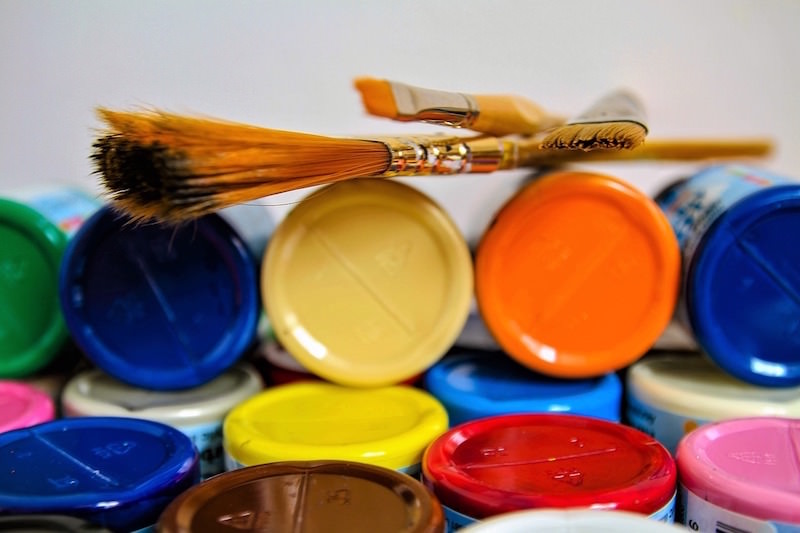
(512, 462)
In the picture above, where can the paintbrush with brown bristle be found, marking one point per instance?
(172, 168)
(615, 121)
(492, 114)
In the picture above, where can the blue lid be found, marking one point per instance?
(160, 307)
(743, 290)
(116, 472)
(474, 384)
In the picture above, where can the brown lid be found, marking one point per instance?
(306, 497)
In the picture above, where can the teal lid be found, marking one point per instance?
(32, 329)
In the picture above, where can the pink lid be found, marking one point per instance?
(747, 465)
(22, 405)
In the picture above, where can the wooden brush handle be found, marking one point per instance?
(653, 149)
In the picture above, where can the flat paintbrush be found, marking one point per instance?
(174, 168)
(617, 121)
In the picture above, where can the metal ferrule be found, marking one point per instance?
(426, 155)
(438, 107)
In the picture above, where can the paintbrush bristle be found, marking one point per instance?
(174, 168)
(608, 135)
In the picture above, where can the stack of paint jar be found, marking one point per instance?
(163, 317)
(553, 306)
(383, 410)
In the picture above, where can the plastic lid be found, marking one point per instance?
(48, 524)
(160, 307)
(305, 497)
(32, 330)
(578, 274)
(367, 282)
(690, 384)
(513, 462)
(389, 426)
(22, 405)
(478, 384)
(94, 393)
(117, 472)
(743, 292)
(749, 466)
(573, 521)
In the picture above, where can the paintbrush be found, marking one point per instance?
(174, 168)
(616, 121)
(492, 114)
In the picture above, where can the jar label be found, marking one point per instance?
(700, 515)
(666, 427)
(207, 438)
(453, 520)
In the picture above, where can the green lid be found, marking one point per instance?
(32, 329)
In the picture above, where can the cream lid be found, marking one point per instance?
(95, 393)
(367, 282)
(690, 384)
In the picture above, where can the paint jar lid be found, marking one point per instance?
(367, 282)
(749, 466)
(743, 292)
(578, 274)
(22, 405)
(690, 384)
(117, 472)
(477, 384)
(38, 523)
(511, 462)
(160, 307)
(388, 426)
(95, 393)
(330, 496)
(32, 329)
(572, 520)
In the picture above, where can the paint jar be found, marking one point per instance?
(198, 412)
(386, 426)
(739, 232)
(36, 523)
(669, 395)
(22, 405)
(741, 475)
(329, 496)
(571, 520)
(279, 367)
(507, 463)
(473, 384)
(119, 473)
(160, 307)
(34, 230)
(577, 276)
(367, 282)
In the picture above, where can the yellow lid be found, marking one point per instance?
(388, 426)
(367, 282)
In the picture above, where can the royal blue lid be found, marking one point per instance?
(160, 307)
(116, 472)
(743, 288)
(474, 384)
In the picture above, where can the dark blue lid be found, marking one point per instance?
(474, 384)
(160, 307)
(116, 472)
(743, 288)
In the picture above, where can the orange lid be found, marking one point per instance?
(577, 275)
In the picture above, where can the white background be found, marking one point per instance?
(702, 68)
